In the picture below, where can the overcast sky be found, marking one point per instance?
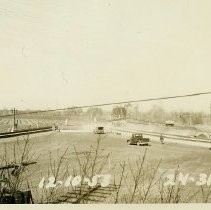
(59, 53)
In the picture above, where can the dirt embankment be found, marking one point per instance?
(175, 130)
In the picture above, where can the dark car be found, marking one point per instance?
(138, 139)
(99, 130)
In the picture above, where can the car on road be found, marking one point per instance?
(138, 139)
(99, 130)
(169, 123)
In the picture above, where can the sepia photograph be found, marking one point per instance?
(105, 102)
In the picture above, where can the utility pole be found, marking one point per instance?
(190, 119)
(162, 117)
(15, 124)
(210, 111)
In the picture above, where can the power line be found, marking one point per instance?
(109, 104)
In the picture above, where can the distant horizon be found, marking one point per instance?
(168, 105)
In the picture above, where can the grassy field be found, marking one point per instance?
(191, 159)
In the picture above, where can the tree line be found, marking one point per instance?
(156, 114)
